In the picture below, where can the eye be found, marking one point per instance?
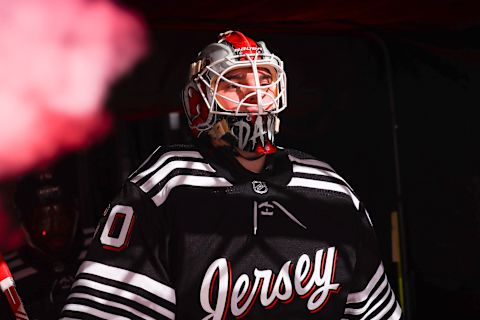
(265, 79)
(228, 87)
(225, 85)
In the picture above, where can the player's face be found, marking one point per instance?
(239, 92)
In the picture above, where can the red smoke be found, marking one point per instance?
(58, 59)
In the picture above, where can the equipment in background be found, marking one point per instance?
(8, 287)
(48, 214)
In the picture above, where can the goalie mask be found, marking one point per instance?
(235, 92)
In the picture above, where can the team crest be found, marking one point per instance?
(259, 187)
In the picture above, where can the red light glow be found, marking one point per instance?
(58, 59)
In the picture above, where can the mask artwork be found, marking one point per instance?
(251, 133)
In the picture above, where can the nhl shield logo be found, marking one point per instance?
(259, 187)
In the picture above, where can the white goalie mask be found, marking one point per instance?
(236, 90)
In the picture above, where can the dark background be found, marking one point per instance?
(375, 88)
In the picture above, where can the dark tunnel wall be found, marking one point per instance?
(437, 82)
(339, 111)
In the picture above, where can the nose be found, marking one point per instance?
(251, 98)
(256, 101)
(250, 93)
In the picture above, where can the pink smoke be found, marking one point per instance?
(58, 59)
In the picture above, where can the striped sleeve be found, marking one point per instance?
(375, 301)
(107, 292)
(174, 169)
(126, 273)
(315, 174)
(370, 296)
(128, 270)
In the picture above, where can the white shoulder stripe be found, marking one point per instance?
(20, 274)
(164, 171)
(363, 295)
(323, 185)
(111, 304)
(161, 161)
(312, 162)
(180, 180)
(144, 162)
(124, 294)
(132, 278)
(92, 311)
(318, 171)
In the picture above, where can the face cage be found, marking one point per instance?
(254, 61)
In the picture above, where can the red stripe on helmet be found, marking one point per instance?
(239, 41)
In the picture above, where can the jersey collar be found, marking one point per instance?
(277, 170)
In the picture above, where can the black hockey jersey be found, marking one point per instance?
(194, 235)
(44, 285)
